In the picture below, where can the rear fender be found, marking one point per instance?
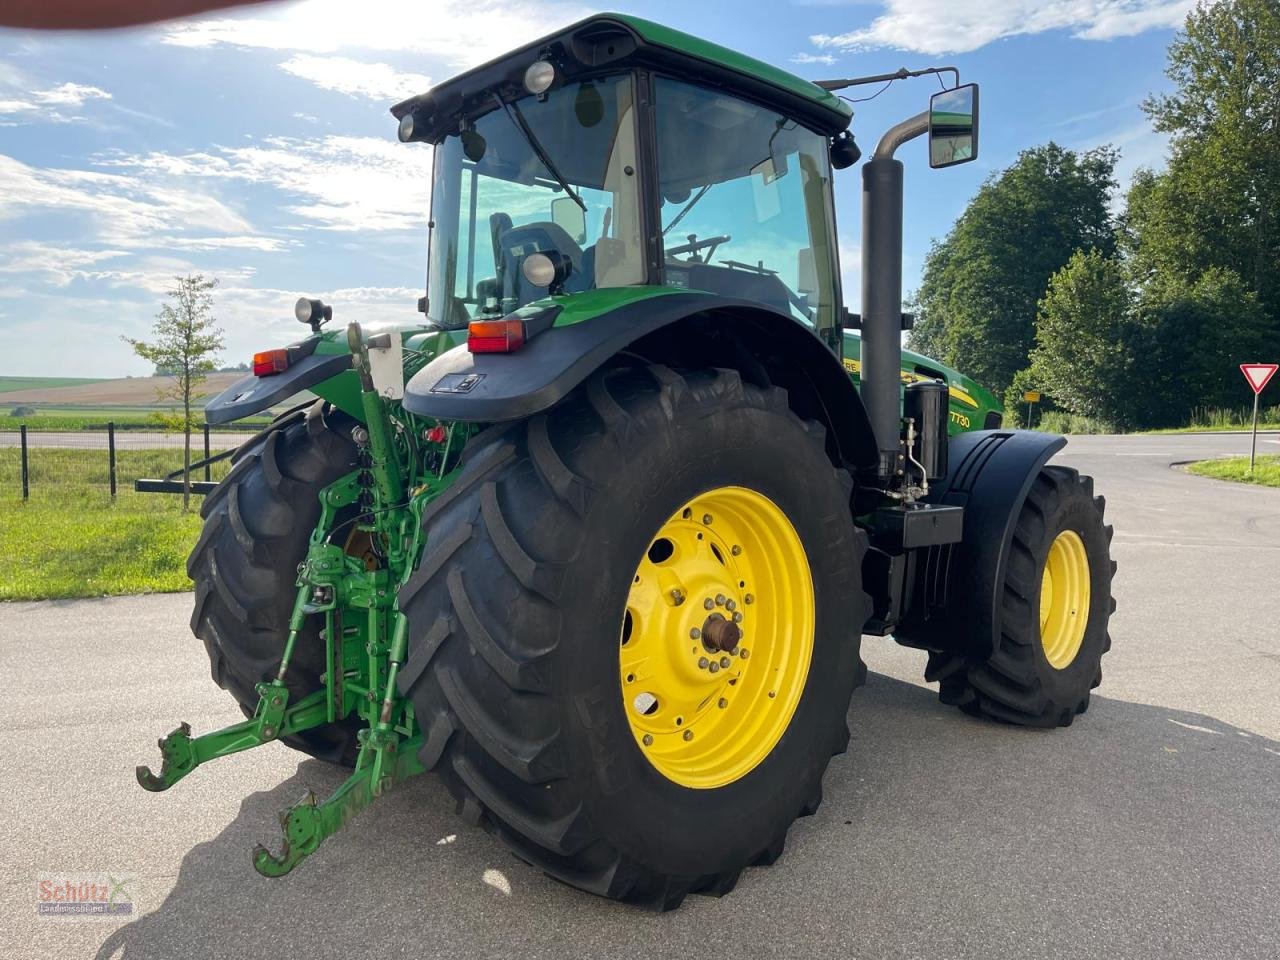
(687, 327)
(957, 588)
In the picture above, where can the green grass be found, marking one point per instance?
(70, 540)
(94, 418)
(9, 384)
(1266, 472)
(1228, 419)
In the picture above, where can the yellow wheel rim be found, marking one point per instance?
(727, 562)
(1064, 599)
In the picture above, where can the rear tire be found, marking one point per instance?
(257, 524)
(1042, 678)
(516, 611)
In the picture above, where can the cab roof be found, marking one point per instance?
(609, 41)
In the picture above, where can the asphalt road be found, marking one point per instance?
(125, 439)
(1148, 829)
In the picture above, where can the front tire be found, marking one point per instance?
(1055, 608)
(518, 630)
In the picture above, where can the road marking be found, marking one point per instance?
(1192, 726)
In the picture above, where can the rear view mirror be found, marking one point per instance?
(566, 213)
(953, 126)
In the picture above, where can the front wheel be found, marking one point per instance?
(1055, 608)
(635, 630)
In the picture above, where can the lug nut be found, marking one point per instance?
(688, 734)
(708, 603)
(647, 739)
(706, 518)
(714, 668)
(723, 703)
(749, 598)
(703, 663)
(744, 653)
(737, 616)
(720, 599)
(677, 597)
(695, 634)
(731, 605)
(724, 663)
(735, 550)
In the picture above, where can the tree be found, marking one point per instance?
(1218, 203)
(976, 305)
(186, 342)
(1192, 337)
(1082, 354)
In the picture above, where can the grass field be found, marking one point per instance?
(70, 540)
(1266, 472)
(121, 392)
(9, 384)
(95, 418)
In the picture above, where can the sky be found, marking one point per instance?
(256, 146)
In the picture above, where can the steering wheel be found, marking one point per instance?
(694, 245)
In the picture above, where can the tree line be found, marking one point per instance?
(1134, 317)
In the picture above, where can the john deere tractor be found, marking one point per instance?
(598, 539)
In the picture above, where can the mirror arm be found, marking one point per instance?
(899, 134)
(900, 74)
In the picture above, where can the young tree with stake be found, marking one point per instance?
(186, 345)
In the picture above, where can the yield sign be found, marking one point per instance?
(1258, 374)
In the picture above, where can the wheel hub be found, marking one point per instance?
(1064, 599)
(716, 637)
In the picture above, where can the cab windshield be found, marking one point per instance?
(495, 202)
(746, 209)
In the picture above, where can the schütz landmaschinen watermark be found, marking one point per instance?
(83, 895)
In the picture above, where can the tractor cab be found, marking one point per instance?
(614, 155)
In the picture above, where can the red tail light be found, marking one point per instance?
(270, 362)
(495, 336)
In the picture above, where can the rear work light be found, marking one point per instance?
(495, 336)
(270, 362)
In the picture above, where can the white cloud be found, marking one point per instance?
(58, 264)
(826, 59)
(124, 210)
(261, 244)
(70, 95)
(339, 183)
(376, 81)
(38, 102)
(461, 33)
(958, 26)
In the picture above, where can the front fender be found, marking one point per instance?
(957, 588)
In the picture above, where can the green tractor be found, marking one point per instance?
(598, 540)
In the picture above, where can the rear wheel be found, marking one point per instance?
(257, 524)
(1054, 612)
(634, 631)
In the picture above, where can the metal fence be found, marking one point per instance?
(110, 458)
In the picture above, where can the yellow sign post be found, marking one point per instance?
(1032, 397)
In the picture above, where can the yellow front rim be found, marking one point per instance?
(1064, 599)
(705, 716)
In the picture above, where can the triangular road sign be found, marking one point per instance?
(1258, 374)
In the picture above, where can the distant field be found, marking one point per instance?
(10, 384)
(125, 392)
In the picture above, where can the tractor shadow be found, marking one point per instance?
(1141, 831)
